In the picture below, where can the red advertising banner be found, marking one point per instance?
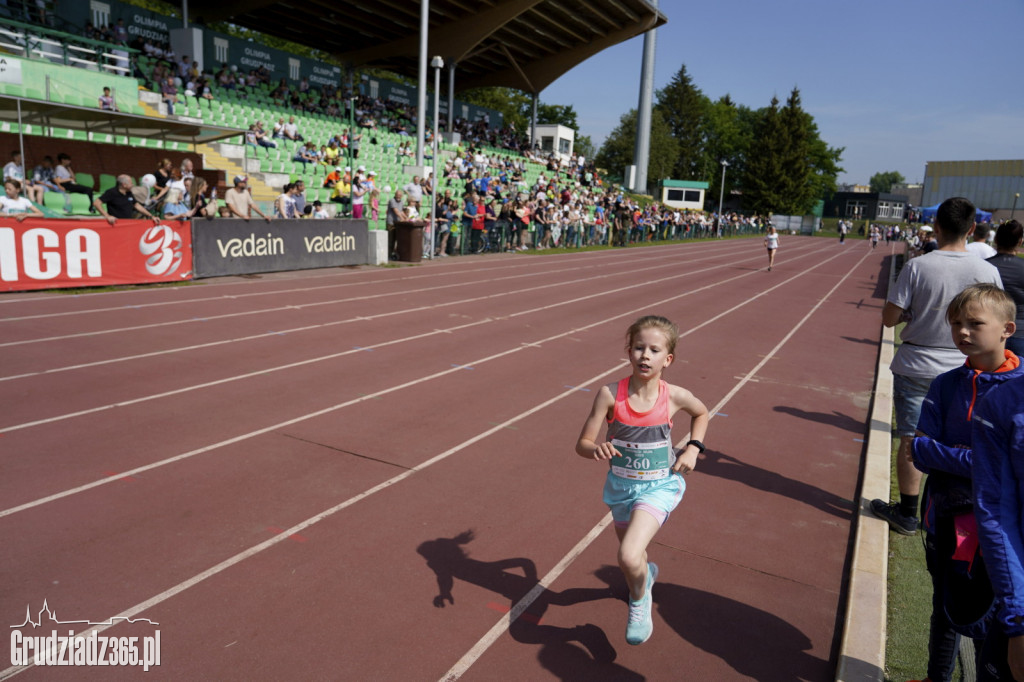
(50, 253)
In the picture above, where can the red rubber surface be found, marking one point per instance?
(244, 407)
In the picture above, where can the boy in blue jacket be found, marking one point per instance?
(981, 319)
(998, 477)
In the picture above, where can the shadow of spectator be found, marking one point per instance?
(513, 579)
(837, 419)
(713, 463)
(756, 644)
(882, 279)
(867, 342)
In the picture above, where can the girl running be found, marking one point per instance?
(771, 242)
(645, 481)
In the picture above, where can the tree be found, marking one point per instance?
(883, 182)
(730, 131)
(789, 167)
(814, 165)
(684, 109)
(585, 146)
(617, 151)
(762, 180)
(798, 191)
(514, 105)
(562, 114)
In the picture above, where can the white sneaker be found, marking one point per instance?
(640, 624)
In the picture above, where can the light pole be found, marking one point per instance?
(721, 196)
(1012, 210)
(351, 130)
(438, 64)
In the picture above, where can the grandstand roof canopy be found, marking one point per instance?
(93, 120)
(523, 44)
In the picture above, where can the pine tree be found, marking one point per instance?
(763, 181)
(617, 151)
(789, 167)
(684, 108)
(796, 165)
(730, 130)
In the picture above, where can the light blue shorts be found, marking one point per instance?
(657, 498)
(908, 395)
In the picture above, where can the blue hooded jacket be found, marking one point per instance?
(998, 480)
(945, 453)
(947, 412)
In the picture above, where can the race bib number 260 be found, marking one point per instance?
(642, 461)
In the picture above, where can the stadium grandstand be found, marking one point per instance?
(111, 85)
(61, 56)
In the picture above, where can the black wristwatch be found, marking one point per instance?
(700, 446)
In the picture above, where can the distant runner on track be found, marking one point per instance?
(645, 482)
(771, 242)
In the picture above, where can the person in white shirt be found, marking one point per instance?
(14, 168)
(979, 247)
(284, 205)
(14, 204)
(291, 130)
(771, 242)
(414, 190)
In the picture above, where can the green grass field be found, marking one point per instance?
(909, 596)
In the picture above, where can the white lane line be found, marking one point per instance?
(414, 382)
(301, 526)
(456, 267)
(333, 356)
(261, 311)
(298, 528)
(520, 606)
(478, 649)
(461, 301)
(224, 297)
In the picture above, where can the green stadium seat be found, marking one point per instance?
(85, 179)
(106, 182)
(79, 203)
(56, 201)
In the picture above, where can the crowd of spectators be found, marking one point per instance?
(484, 204)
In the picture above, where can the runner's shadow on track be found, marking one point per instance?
(837, 419)
(513, 579)
(756, 644)
(715, 463)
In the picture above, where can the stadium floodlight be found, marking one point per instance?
(721, 195)
(437, 63)
(351, 158)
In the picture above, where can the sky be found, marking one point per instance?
(896, 83)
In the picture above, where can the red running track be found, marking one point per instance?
(368, 474)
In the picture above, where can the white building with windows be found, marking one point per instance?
(683, 194)
(556, 138)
